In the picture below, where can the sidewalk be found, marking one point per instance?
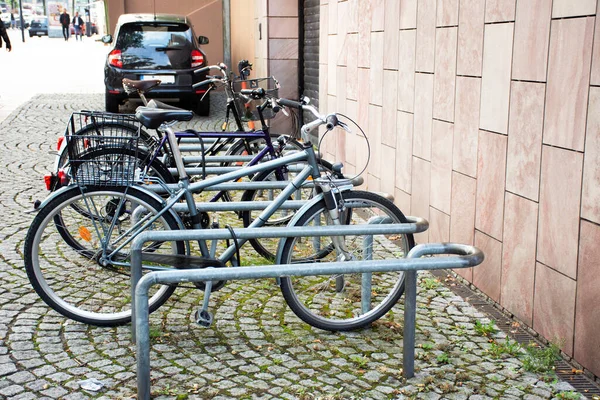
(256, 348)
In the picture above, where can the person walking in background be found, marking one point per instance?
(13, 22)
(78, 26)
(4, 35)
(65, 20)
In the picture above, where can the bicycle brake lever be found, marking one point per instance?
(211, 87)
(344, 126)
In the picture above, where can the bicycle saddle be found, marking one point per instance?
(152, 118)
(143, 86)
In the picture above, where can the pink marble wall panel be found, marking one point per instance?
(402, 201)
(470, 37)
(595, 79)
(390, 109)
(377, 15)
(390, 35)
(423, 115)
(364, 34)
(518, 256)
(283, 8)
(439, 226)
(332, 18)
(462, 214)
(441, 165)
(587, 312)
(560, 194)
(323, 36)
(447, 13)
(406, 70)
(374, 135)
(404, 147)
(425, 35)
(342, 33)
(554, 307)
(376, 70)
(286, 72)
(525, 139)
(352, 26)
(283, 49)
(495, 82)
(590, 200)
(323, 85)
(571, 8)
(487, 276)
(408, 14)
(499, 10)
(353, 88)
(388, 172)
(568, 82)
(532, 36)
(491, 172)
(466, 125)
(331, 64)
(283, 27)
(363, 99)
(445, 73)
(419, 204)
(351, 142)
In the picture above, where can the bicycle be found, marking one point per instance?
(156, 155)
(84, 276)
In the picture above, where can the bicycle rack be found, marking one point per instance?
(468, 256)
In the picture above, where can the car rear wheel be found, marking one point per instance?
(111, 103)
(201, 107)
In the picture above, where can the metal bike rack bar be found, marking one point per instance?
(239, 206)
(258, 185)
(221, 170)
(216, 159)
(464, 257)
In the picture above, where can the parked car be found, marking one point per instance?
(161, 46)
(38, 27)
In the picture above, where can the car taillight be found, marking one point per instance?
(60, 142)
(197, 59)
(114, 59)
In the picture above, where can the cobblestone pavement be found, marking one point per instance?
(257, 348)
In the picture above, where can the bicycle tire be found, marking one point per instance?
(68, 275)
(318, 300)
(267, 248)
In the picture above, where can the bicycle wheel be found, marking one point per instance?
(349, 301)
(64, 251)
(267, 247)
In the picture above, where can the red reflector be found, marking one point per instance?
(48, 182)
(60, 142)
(62, 177)
(114, 91)
(86, 143)
(200, 91)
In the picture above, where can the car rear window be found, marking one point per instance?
(155, 46)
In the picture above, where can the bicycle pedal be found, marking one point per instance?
(203, 318)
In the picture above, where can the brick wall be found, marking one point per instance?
(483, 116)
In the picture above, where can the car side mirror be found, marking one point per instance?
(202, 40)
(107, 39)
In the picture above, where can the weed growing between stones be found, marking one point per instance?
(541, 360)
(485, 329)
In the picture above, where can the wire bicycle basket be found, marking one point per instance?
(247, 110)
(102, 149)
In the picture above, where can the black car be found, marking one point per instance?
(38, 27)
(163, 47)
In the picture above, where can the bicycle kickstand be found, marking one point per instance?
(202, 316)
